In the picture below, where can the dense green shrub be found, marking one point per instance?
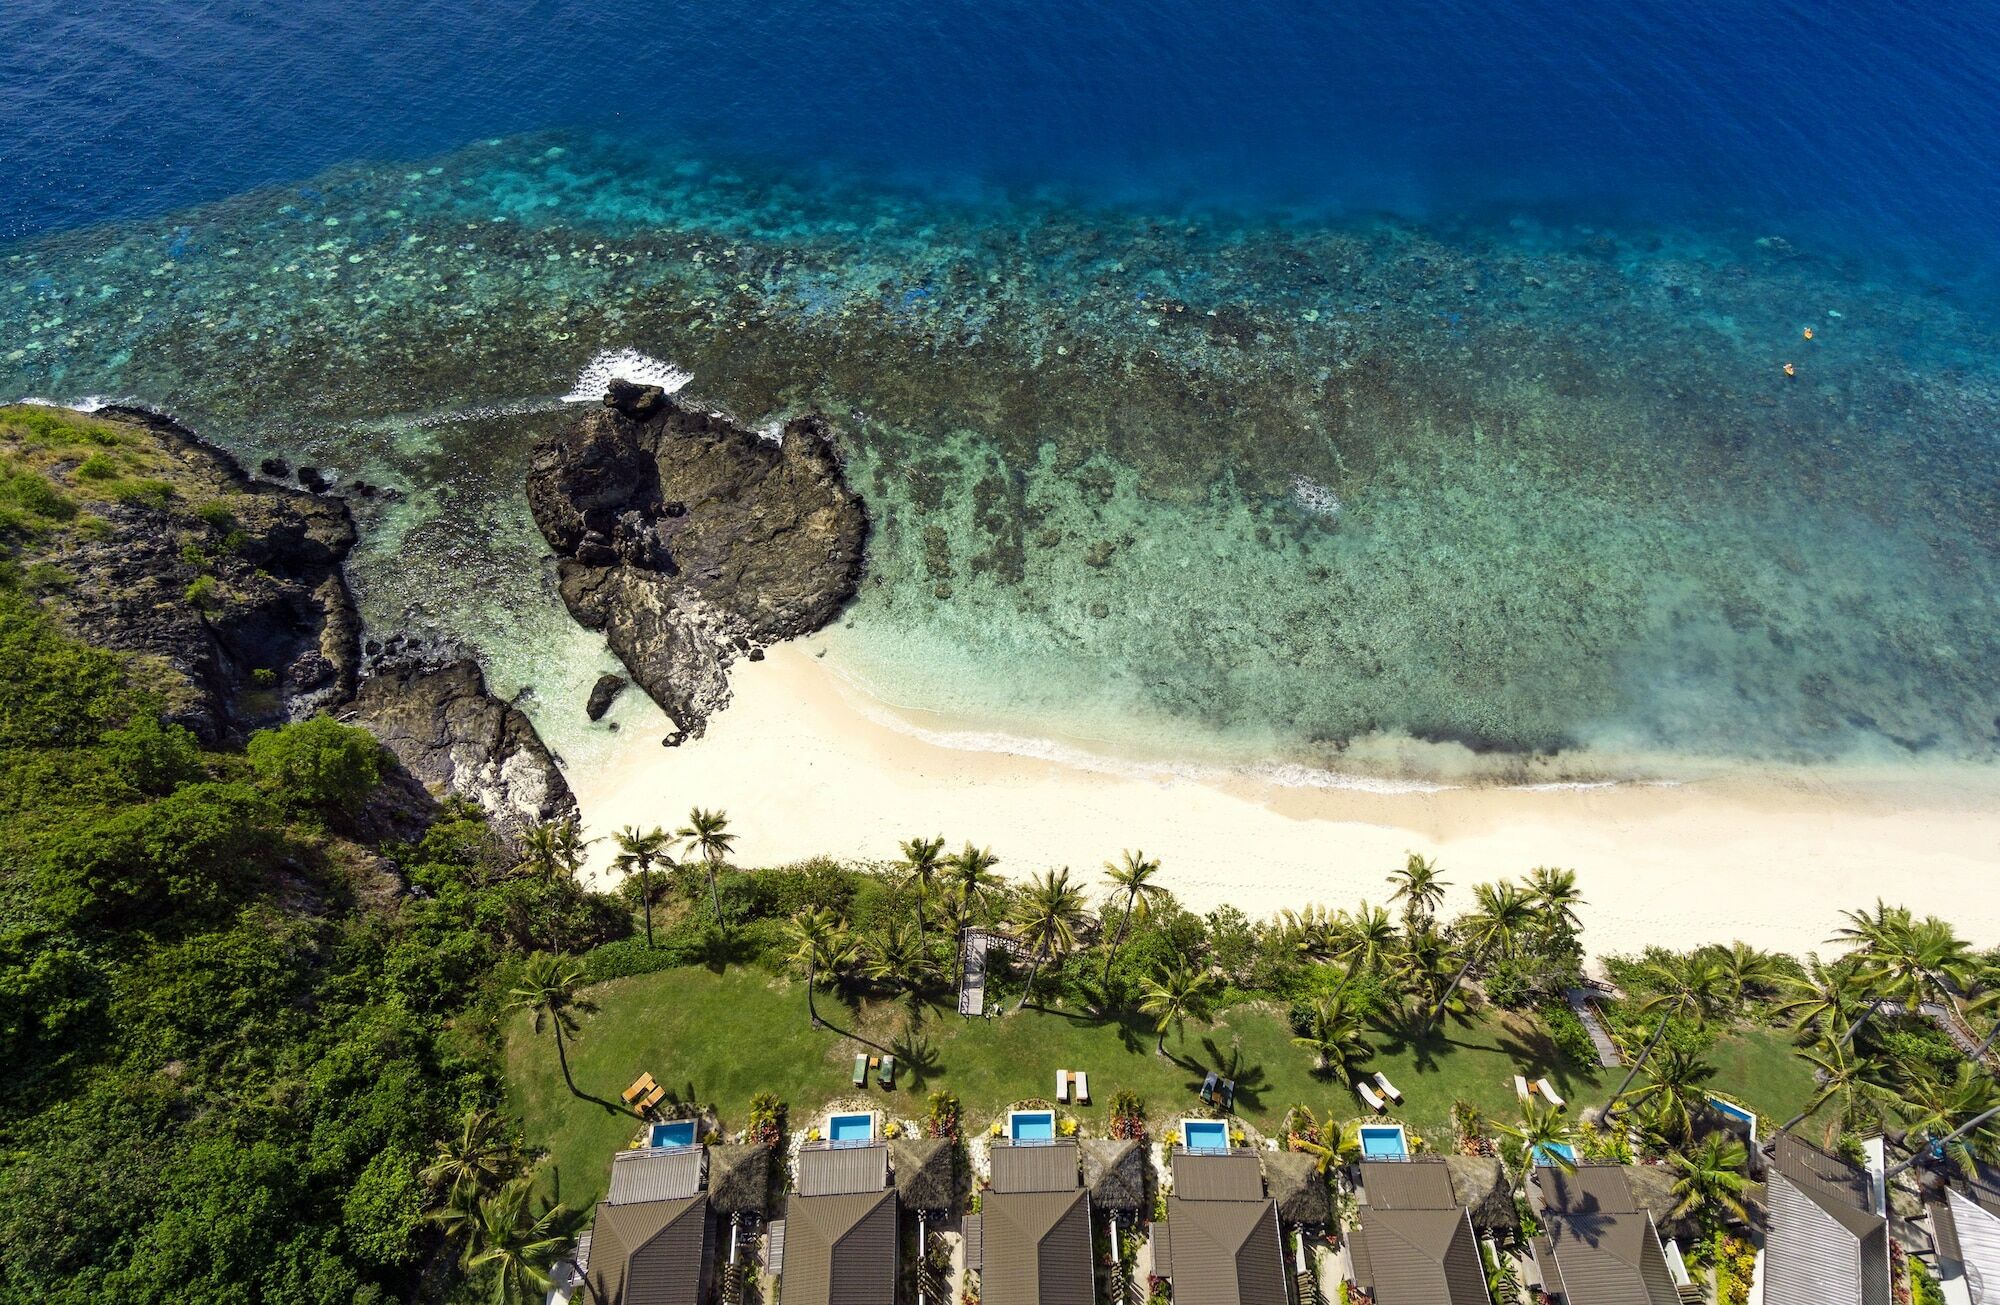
(318, 765)
(1568, 1033)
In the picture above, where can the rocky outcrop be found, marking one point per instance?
(603, 694)
(229, 591)
(689, 540)
(229, 588)
(455, 737)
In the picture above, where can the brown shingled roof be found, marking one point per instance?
(843, 1170)
(1221, 1176)
(1600, 1245)
(649, 1252)
(841, 1250)
(1225, 1252)
(1042, 1167)
(1419, 1257)
(1036, 1249)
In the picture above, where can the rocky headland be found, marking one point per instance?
(690, 540)
(229, 593)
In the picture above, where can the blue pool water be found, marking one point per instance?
(1031, 1126)
(1547, 1152)
(1383, 1143)
(850, 1128)
(678, 1132)
(1205, 1135)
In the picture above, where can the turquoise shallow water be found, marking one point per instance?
(1351, 493)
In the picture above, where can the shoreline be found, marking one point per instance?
(806, 765)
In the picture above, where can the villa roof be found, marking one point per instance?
(1407, 1185)
(1115, 1173)
(925, 1178)
(1044, 1167)
(1035, 1248)
(1479, 1183)
(1652, 1189)
(1224, 1251)
(739, 1178)
(1968, 1227)
(1228, 1176)
(1599, 1247)
(1299, 1188)
(841, 1250)
(1418, 1257)
(843, 1170)
(1823, 1242)
(649, 1252)
(672, 1175)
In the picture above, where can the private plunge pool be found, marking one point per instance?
(676, 1132)
(850, 1130)
(1204, 1135)
(1384, 1142)
(1031, 1125)
(1555, 1153)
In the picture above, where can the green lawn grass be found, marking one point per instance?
(726, 1036)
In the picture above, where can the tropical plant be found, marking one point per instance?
(1747, 972)
(923, 858)
(1545, 1136)
(1955, 1119)
(1173, 995)
(550, 990)
(1312, 931)
(1825, 996)
(894, 957)
(1329, 1144)
(1420, 888)
(1335, 1036)
(516, 1235)
(1555, 897)
(1709, 1180)
(1365, 939)
(707, 834)
(1676, 1093)
(1133, 877)
(1685, 987)
(639, 852)
(1845, 1076)
(821, 945)
(1502, 912)
(553, 847)
(1047, 916)
(477, 1157)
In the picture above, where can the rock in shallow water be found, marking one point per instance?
(689, 539)
(603, 694)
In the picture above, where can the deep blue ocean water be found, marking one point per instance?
(1841, 124)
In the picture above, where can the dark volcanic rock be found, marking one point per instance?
(603, 694)
(452, 734)
(230, 588)
(688, 539)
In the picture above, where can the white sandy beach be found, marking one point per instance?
(805, 765)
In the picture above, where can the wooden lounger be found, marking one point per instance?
(886, 1075)
(1388, 1088)
(860, 1070)
(1367, 1094)
(1549, 1093)
(1521, 1086)
(1062, 1085)
(1082, 1081)
(653, 1098)
(640, 1087)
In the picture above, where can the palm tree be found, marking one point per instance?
(1684, 986)
(894, 957)
(1420, 888)
(1746, 971)
(1047, 917)
(476, 1158)
(1426, 966)
(922, 859)
(1709, 1180)
(1555, 897)
(706, 833)
(553, 847)
(1335, 1036)
(1842, 1075)
(1546, 1137)
(1502, 912)
(972, 873)
(1677, 1092)
(1367, 938)
(1954, 1119)
(519, 1235)
(1133, 877)
(821, 944)
(639, 852)
(1328, 1143)
(1312, 930)
(1826, 996)
(550, 992)
(1172, 996)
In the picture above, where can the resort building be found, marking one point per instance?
(650, 1241)
(1967, 1219)
(1598, 1244)
(1220, 1243)
(1413, 1243)
(839, 1237)
(1827, 1242)
(1030, 1242)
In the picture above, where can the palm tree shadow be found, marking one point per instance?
(1538, 1056)
(1407, 1030)
(1250, 1080)
(917, 1056)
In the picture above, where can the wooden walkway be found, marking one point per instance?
(1584, 1004)
(973, 944)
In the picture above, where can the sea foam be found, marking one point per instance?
(625, 365)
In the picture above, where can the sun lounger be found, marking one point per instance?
(1549, 1093)
(860, 1070)
(1388, 1088)
(886, 1076)
(1062, 1085)
(1521, 1086)
(640, 1087)
(1228, 1094)
(1367, 1094)
(1082, 1081)
(1208, 1086)
(653, 1098)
